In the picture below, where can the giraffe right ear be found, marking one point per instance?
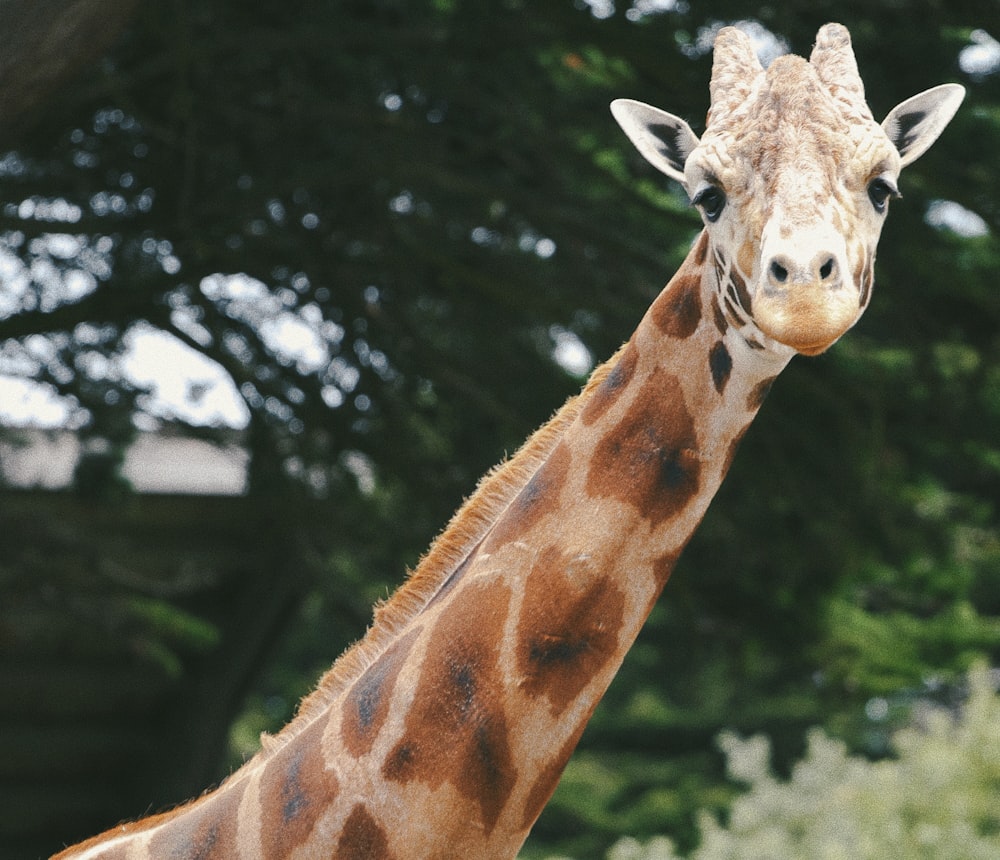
(664, 140)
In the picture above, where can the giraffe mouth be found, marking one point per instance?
(814, 350)
(808, 318)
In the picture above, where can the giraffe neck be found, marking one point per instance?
(445, 731)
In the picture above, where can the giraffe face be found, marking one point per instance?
(794, 192)
(793, 179)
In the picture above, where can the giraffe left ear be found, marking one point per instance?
(916, 123)
(664, 140)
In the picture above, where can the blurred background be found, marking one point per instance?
(279, 281)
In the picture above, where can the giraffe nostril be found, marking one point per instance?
(778, 272)
(828, 269)
(783, 271)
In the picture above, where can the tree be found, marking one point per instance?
(432, 198)
(45, 45)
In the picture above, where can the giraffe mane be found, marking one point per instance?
(466, 529)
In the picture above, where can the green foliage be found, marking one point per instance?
(437, 187)
(168, 631)
(936, 799)
(883, 652)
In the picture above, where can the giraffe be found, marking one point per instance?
(444, 731)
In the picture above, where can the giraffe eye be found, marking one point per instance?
(711, 200)
(879, 192)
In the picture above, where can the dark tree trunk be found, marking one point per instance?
(43, 44)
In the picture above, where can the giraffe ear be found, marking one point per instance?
(916, 123)
(664, 140)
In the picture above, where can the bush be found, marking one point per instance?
(938, 799)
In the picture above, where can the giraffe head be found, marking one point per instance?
(793, 177)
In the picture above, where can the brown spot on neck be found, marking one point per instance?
(366, 705)
(457, 730)
(204, 831)
(613, 385)
(295, 790)
(720, 363)
(650, 460)
(567, 632)
(539, 497)
(362, 838)
(677, 311)
(756, 397)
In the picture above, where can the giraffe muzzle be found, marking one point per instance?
(804, 302)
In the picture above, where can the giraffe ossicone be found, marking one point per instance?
(444, 731)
